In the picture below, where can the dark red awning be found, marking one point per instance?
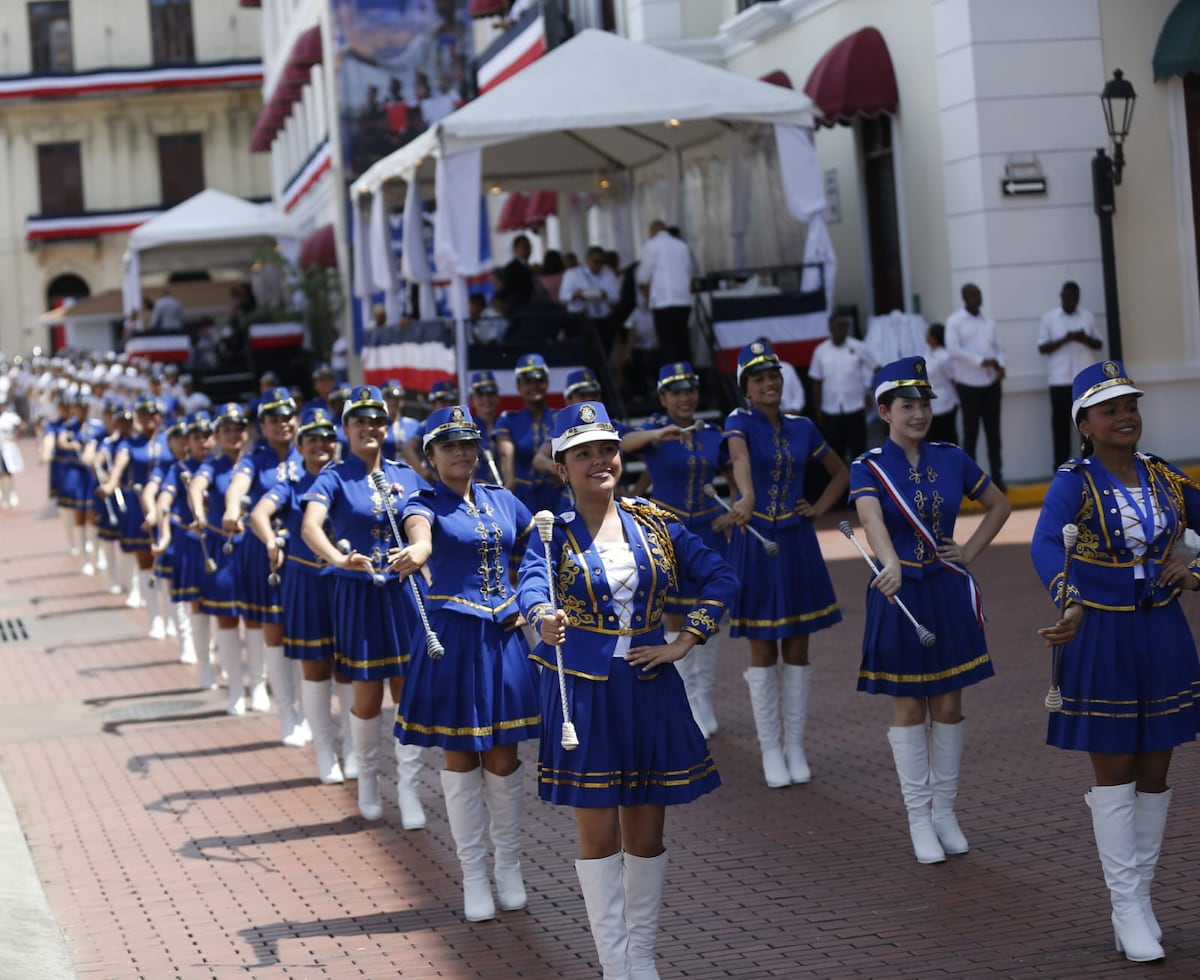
(778, 77)
(487, 8)
(854, 78)
(319, 249)
(541, 205)
(305, 53)
(512, 215)
(249, 3)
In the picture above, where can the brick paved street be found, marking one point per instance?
(173, 840)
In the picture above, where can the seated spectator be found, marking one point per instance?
(487, 324)
(550, 275)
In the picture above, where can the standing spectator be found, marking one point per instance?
(841, 373)
(516, 278)
(978, 358)
(550, 275)
(167, 313)
(944, 427)
(591, 291)
(665, 275)
(1067, 338)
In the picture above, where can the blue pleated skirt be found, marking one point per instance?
(133, 536)
(307, 599)
(1130, 683)
(73, 487)
(219, 589)
(481, 694)
(260, 601)
(787, 595)
(372, 628)
(637, 741)
(681, 605)
(189, 565)
(893, 660)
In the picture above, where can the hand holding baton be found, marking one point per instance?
(926, 636)
(243, 509)
(433, 645)
(273, 577)
(769, 546)
(545, 528)
(1054, 701)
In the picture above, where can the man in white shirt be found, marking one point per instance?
(590, 291)
(167, 313)
(979, 372)
(1068, 339)
(841, 373)
(665, 275)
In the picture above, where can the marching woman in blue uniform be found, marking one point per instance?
(401, 428)
(683, 453)
(106, 515)
(782, 598)
(219, 589)
(176, 536)
(615, 563)
(479, 700)
(162, 544)
(373, 611)
(137, 457)
(273, 458)
(74, 493)
(306, 589)
(521, 433)
(1128, 669)
(484, 403)
(908, 494)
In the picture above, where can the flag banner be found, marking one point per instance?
(562, 357)
(793, 323)
(269, 336)
(174, 347)
(417, 354)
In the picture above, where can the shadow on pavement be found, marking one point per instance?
(163, 804)
(114, 727)
(141, 763)
(202, 847)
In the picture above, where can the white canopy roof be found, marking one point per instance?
(597, 103)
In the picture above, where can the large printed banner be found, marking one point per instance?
(793, 323)
(403, 65)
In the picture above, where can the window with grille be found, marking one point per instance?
(60, 178)
(50, 38)
(180, 166)
(171, 32)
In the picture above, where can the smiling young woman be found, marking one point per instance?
(1128, 663)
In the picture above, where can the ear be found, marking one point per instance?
(884, 413)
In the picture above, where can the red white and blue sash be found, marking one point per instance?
(930, 541)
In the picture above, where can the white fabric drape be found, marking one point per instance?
(804, 190)
(382, 264)
(456, 222)
(131, 281)
(739, 189)
(414, 260)
(361, 285)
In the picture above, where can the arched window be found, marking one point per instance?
(66, 286)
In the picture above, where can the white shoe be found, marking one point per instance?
(101, 561)
(172, 631)
(158, 629)
(89, 569)
(115, 589)
(13, 501)
(259, 699)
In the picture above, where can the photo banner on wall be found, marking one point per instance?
(402, 65)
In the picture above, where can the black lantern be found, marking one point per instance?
(1117, 100)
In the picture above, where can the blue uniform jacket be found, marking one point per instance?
(777, 462)
(473, 548)
(679, 468)
(662, 548)
(527, 436)
(1102, 567)
(934, 490)
(289, 513)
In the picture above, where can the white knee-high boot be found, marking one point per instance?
(135, 599)
(114, 568)
(945, 759)
(202, 641)
(366, 748)
(259, 699)
(506, 809)
(183, 629)
(910, 750)
(602, 881)
(764, 699)
(279, 674)
(345, 703)
(89, 548)
(465, 811)
(1113, 823)
(67, 517)
(151, 596)
(319, 711)
(704, 679)
(644, 879)
(229, 650)
(686, 674)
(101, 552)
(797, 681)
(408, 796)
(1149, 824)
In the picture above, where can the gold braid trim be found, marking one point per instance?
(1176, 481)
(656, 520)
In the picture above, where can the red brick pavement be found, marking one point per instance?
(174, 841)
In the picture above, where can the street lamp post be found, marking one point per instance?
(1117, 100)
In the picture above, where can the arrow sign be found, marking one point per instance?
(1020, 186)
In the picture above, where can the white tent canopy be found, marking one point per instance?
(210, 230)
(598, 103)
